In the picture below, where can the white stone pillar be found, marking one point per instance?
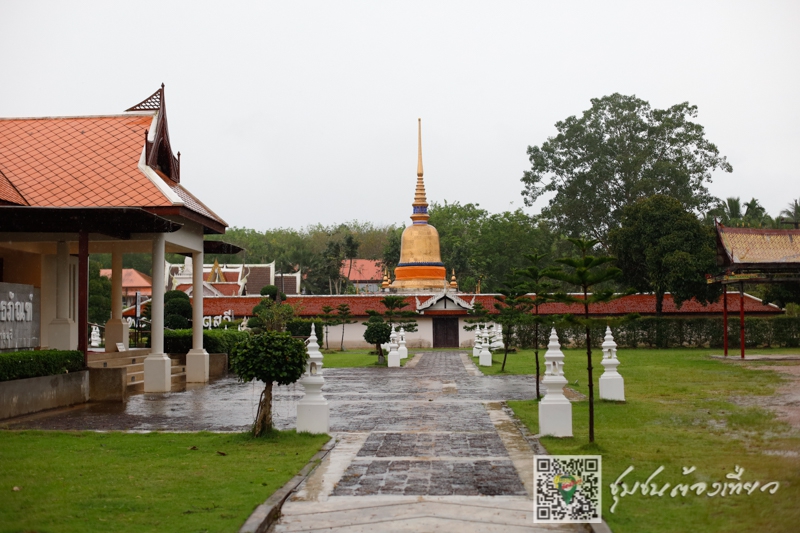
(62, 333)
(394, 356)
(402, 350)
(612, 386)
(485, 357)
(555, 410)
(476, 345)
(157, 366)
(197, 358)
(313, 412)
(116, 327)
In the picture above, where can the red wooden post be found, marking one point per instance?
(725, 319)
(83, 295)
(741, 315)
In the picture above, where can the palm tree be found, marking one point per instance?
(729, 212)
(792, 213)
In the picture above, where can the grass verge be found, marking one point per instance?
(125, 482)
(679, 414)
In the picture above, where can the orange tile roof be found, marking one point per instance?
(749, 245)
(131, 278)
(363, 270)
(78, 162)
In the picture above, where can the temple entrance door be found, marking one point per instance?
(445, 332)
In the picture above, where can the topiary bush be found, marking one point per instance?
(301, 327)
(33, 364)
(175, 322)
(214, 341)
(269, 357)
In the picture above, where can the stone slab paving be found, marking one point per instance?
(441, 455)
(419, 448)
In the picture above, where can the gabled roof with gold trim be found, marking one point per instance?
(758, 248)
(94, 161)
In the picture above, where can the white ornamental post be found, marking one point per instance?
(555, 411)
(612, 386)
(394, 356)
(485, 355)
(313, 413)
(476, 347)
(402, 350)
(498, 337)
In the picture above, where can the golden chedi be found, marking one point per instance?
(420, 267)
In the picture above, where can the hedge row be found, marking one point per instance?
(214, 340)
(33, 364)
(301, 327)
(652, 332)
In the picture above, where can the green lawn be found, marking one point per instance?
(121, 482)
(355, 358)
(678, 414)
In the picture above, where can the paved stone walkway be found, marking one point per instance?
(426, 447)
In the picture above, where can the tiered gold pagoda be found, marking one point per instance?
(420, 267)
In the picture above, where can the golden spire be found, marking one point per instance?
(453, 282)
(420, 205)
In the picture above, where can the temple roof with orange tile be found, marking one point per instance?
(750, 246)
(84, 162)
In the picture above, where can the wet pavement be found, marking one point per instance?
(427, 446)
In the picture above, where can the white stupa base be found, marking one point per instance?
(313, 416)
(116, 331)
(612, 388)
(157, 373)
(393, 359)
(62, 334)
(555, 418)
(403, 351)
(197, 366)
(485, 358)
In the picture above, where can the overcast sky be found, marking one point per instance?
(292, 113)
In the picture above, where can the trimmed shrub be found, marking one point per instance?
(301, 327)
(33, 364)
(176, 322)
(178, 306)
(214, 341)
(271, 291)
(175, 295)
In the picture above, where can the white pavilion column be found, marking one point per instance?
(61, 334)
(197, 358)
(117, 327)
(157, 365)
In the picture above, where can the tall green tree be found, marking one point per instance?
(344, 316)
(618, 151)
(513, 306)
(99, 295)
(588, 273)
(540, 292)
(328, 319)
(661, 247)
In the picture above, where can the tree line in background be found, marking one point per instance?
(632, 177)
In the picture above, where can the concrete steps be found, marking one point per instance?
(133, 361)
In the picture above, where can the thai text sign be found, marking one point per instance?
(19, 316)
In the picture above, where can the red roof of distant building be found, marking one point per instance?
(364, 270)
(132, 280)
(643, 304)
